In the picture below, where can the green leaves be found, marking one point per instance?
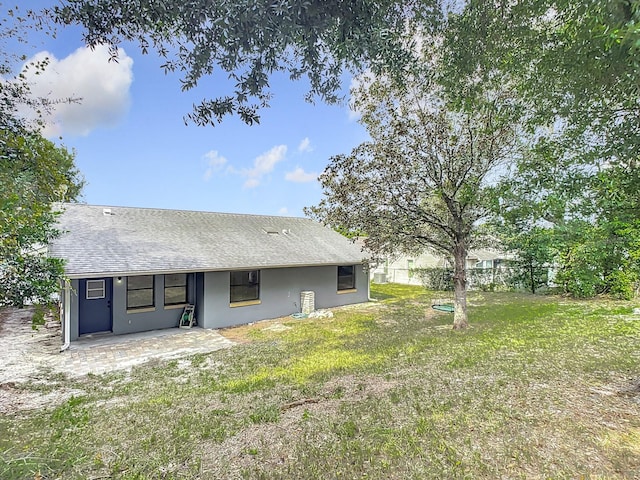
(26, 273)
(421, 182)
(251, 39)
(589, 233)
(34, 174)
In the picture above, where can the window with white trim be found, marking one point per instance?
(95, 289)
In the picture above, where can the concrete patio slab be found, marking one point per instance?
(105, 353)
(26, 353)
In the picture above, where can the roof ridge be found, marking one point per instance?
(65, 204)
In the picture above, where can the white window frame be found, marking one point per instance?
(91, 288)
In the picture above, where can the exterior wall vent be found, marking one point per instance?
(307, 302)
(270, 231)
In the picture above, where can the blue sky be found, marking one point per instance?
(134, 149)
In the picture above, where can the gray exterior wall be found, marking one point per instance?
(279, 296)
(158, 317)
(139, 321)
(74, 309)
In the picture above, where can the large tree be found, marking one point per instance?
(423, 180)
(582, 217)
(248, 40)
(574, 63)
(34, 173)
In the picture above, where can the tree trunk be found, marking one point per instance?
(533, 278)
(460, 287)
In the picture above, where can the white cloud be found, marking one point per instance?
(300, 176)
(283, 211)
(305, 145)
(251, 183)
(101, 85)
(215, 162)
(263, 165)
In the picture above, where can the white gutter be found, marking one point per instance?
(370, 268)
(127, 273)
(66, 313)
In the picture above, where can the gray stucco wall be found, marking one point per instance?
(146, 319)
(135, 321)
(279, 294)
(199, 295)
(73, 310)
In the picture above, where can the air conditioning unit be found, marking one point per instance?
(307, 302)
(380, 277)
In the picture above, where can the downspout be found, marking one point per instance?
(66, 312)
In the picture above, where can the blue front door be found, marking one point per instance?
(95, 305)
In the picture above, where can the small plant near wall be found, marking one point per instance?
(37, 320)
(43, 313)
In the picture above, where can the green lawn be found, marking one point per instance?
(538, 387)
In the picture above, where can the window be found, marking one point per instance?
(175, 289)
(245, 286)
(410, 268)
(140, 291)
(346, 278)
(484, 264)
(95, 289)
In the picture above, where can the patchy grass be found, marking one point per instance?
(538, 387)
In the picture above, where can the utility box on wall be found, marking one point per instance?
(307, 302)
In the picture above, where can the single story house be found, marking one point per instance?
(135, 269)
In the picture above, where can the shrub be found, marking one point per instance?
(622, 284)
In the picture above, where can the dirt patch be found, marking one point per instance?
(242, 333)
(26, 353)
(26, 357)
(14, 399)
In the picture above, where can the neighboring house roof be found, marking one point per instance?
(98, 240)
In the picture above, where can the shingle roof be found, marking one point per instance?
(143, 240)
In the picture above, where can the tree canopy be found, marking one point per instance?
(248, 40)
(574, 59)
(34, 173)
(423, 180)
